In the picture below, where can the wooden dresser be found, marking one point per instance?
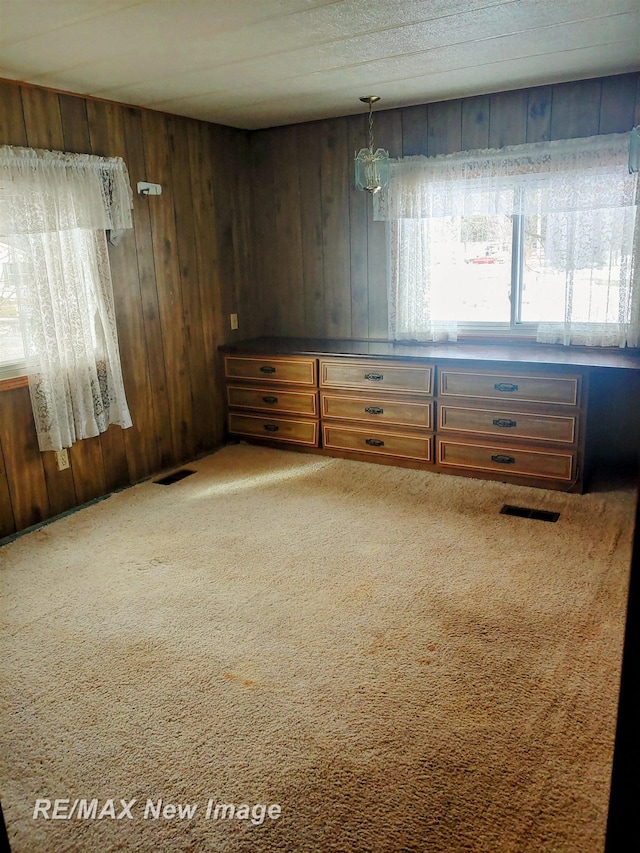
(380, 407)
(511, 413)
(528, 422)
(274, 397)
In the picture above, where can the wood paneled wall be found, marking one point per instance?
(321, 259)
(265, 224)
(176, 277)
(320, 256)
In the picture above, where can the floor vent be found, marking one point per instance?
(525, 512)
(175, 477)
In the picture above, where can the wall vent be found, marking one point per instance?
(174, 477)
(526, 512)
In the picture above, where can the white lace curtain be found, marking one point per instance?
(581, 186)
(55, 210)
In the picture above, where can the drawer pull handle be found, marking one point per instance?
(503, 460)
(271, 427)
(505, 386)
(504, 422)
(374, 377)
(374, 442)
(374, 410)
(269, 399)
(267, 369)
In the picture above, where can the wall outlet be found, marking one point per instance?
(62, 459)
(234, 321)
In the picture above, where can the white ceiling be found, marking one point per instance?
(261, 63)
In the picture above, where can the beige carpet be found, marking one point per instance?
(377, 651)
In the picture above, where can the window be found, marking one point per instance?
(56, 308)
(475, 252)
(534, 240)
(11, 345)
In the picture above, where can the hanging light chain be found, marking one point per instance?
(371, 127)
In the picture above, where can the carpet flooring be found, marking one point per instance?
(318, 655)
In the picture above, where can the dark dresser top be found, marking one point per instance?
(530, 353)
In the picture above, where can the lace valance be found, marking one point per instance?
(540, 178)
(47, 191)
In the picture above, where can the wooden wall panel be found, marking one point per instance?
(75, 124)
(539, 114)
(575, 109)
(475, 123)
(147, 371)
(357, 130)
(204, 205)
(168, 283)
(336, 254)
(42, 118)
(169, 287)
(444, 128)
(12, 126)
(22, 461)
(617, 108)
(311, 227)
(263, 229)
(61, 486)
(7, 520)
(508, 119)
(233, 185)
(129, 455)
(414, 131)
(287, 295)
(183, 181)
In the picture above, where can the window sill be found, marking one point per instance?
(496, 337)
(14, 382)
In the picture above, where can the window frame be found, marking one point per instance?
(11, 368)
(515, 328)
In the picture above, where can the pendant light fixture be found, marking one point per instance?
(372, 167)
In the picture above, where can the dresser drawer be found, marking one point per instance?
(383, 375)
(511, 424)
(506, 459)
(379, 442)
(525, 387)
(380, 410)
(273, 400)
(278, 429)
(288, 371)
